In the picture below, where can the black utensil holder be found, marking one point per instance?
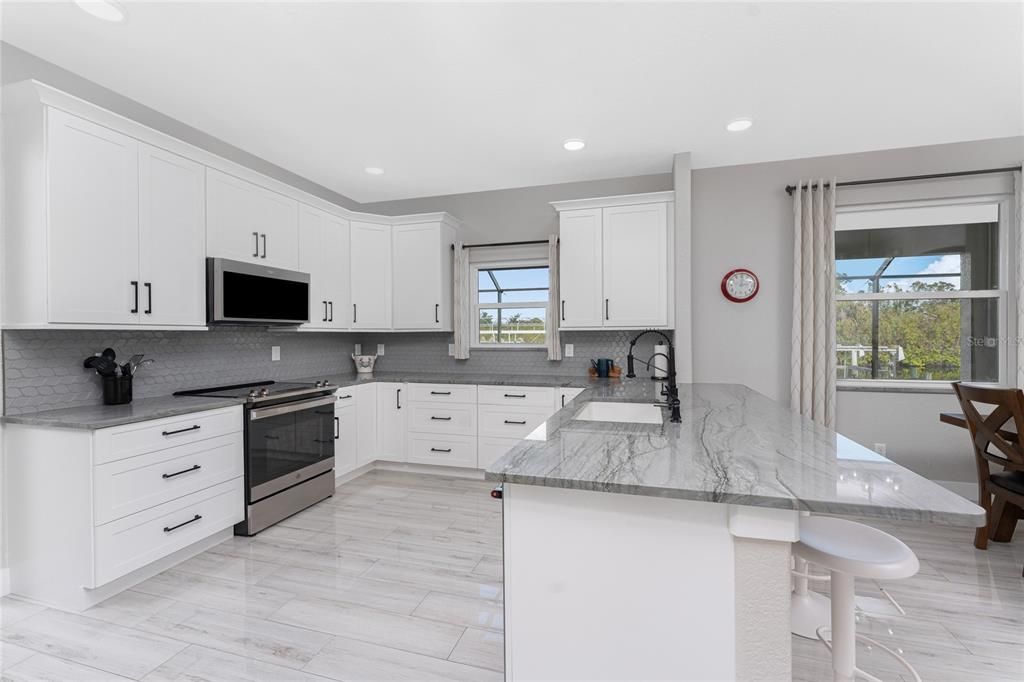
(117, 390)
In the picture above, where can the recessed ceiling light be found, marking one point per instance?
(574, 144)
(373, 170)
(739, 125)
(107, 10)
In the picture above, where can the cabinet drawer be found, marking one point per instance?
(345, 396)
(531, 396)
(489, 449)
(124, 545)
(442, 393)
(459, 451)
(135, 439)
(136, 483)
(511, 422)
(454, 419)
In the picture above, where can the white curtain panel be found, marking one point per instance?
(552, 338)
(462, 308)
(813, 361)
(1018, 232)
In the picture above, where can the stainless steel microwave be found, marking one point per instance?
(247, 293)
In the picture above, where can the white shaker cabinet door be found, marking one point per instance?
(580, 269)
(391, 411)
(370, 276)
(246, 222)
(416, 299)
(346, 443)
(635, 265)
(172, 238)
(323, 253)
(365, 396)
(93, 175)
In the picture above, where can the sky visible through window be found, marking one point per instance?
(931, 269)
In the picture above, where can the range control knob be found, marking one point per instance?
(264, 393)
(253, 393)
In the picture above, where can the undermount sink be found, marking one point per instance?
(632, 413)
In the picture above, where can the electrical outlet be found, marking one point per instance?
(357, 349)
(275, 353)
(451, 350)
(569, 350)
(880, 449)
(380, 349)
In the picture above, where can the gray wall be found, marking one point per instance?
(742, 217)
(18, 65)
(521, 213)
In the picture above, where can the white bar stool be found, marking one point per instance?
(849, 550)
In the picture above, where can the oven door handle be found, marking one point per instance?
(298, 406)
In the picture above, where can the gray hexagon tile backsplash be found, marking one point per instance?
(43, 368)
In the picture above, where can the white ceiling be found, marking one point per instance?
(460, 98)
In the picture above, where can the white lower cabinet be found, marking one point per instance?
(442, 424)
(391, 421)
(97, 506)
(366, 422)
(564, 396)
(346, 432)
(442, 449)
(490, 449)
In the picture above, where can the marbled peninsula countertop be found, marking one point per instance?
(735, 446)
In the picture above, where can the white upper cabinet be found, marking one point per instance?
(370, 276)
(635, 264)
(172, 239)
(246, 222)
(616, 262)
(422, 279)
(324, 254)
(579, 275)
(93, 192)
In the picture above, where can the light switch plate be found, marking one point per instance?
(275, 353)
(569, 350)
(380, 349)
(357, 349)
(451, 350)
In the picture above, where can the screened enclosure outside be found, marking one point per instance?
(511, 306)
(918, 303)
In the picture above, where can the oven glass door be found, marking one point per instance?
(288, 444)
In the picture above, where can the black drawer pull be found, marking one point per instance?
(511, 421)
(440, 393)
(183, 471)
(442, 419)
(168, 529)
(344, 397)
(440, 449)
(515, 395)
(337, 428)
(194, 427)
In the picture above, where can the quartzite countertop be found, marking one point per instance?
(92, 417)
(733, 446)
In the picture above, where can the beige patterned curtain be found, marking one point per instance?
(813, 360)
(552, 338)
(1017, 226)
(462, 321)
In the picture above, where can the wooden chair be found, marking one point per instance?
(1001, 493)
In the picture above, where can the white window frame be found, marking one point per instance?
(1007, 358)
(477, 306)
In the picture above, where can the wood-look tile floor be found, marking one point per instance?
(398, 577)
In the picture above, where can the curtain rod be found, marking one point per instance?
(907, 178)
(480, 246)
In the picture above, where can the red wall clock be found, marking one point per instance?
(740, 285)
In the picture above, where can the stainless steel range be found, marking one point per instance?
(290, 432)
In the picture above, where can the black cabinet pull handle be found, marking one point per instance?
(441, 419)
(168, 529)
(183, 471)
(563, 400)
(330, 317)
(606, 309)
(194, 427)
(149, 298)
(440, 393)
(354, 317)
(256, 238)
(563, 310)
(437, 313)
(337, 428)
(440, 449)
(398, 398)
(325, 311)
(515, 395)
(344, 397)
(511, 421)
(264, 238)
(135, 287)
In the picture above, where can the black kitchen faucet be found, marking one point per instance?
(671, 389)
